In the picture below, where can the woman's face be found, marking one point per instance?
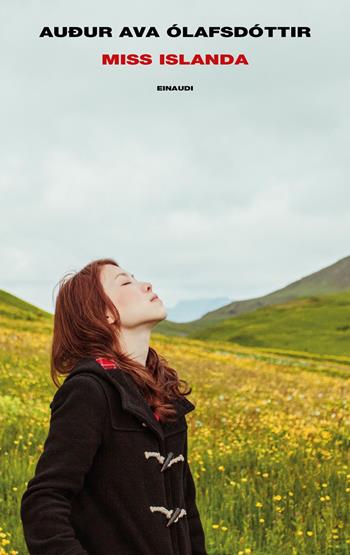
(131, 297)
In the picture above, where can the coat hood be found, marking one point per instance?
(131, 398)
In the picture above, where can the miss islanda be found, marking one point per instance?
(174, 59)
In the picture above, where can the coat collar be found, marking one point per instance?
(131, 398)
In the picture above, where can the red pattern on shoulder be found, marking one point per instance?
(106, 363)
(156, 416)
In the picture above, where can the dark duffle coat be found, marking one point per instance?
(112, 479)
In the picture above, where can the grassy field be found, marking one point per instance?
(269, 440)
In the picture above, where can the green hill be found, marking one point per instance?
(317, 324)
(332, 279)
(15, 313)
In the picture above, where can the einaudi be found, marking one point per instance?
(174, 87)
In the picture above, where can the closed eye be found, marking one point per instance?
(127, 283)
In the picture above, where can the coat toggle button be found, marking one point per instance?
(167, 461)
(174, 515)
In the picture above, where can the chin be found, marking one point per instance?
(159, 311)
(162, 313)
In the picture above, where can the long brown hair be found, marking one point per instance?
(81, 330)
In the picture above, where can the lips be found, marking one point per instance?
(154, 298)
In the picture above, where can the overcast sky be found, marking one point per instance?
(236, 188)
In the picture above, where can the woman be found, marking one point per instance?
(113, 478)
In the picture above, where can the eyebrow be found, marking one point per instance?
(124, 274)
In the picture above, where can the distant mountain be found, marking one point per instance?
(185, 311)
(332, 279)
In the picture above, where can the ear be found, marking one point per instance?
(109, 317)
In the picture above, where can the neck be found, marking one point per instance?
(135, 343)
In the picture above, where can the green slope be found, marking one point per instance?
(15, 313)
(318, 324)
(332, 279)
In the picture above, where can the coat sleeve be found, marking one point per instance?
(193, 516)
(78, 410)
